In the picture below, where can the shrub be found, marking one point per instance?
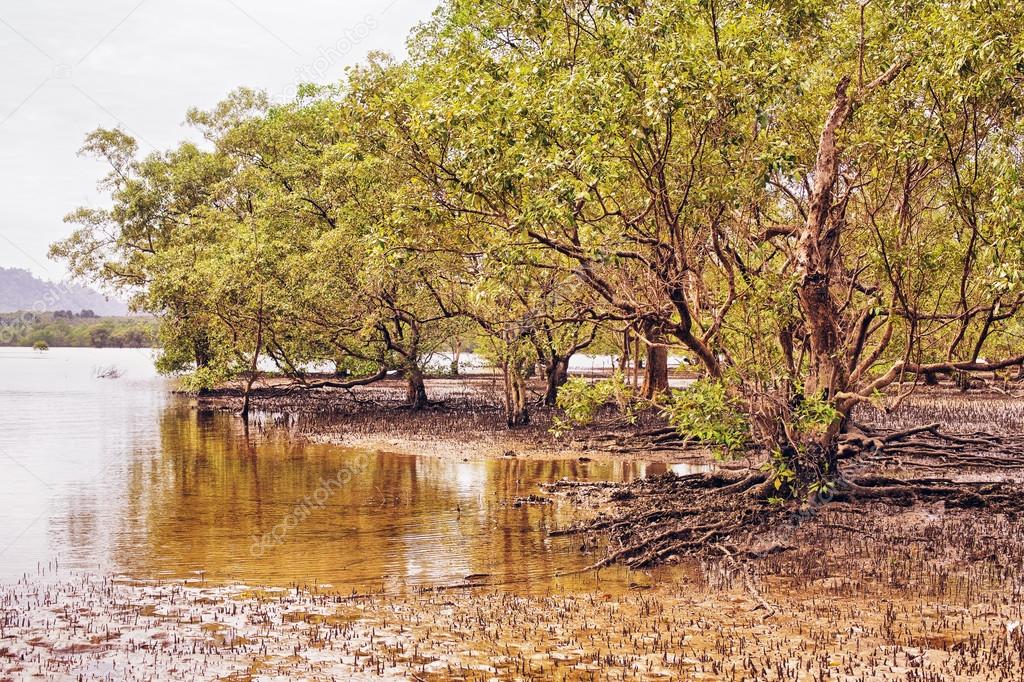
(707, 413)
(580, 401)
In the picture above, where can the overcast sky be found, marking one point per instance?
(67, 67)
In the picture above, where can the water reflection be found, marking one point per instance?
(261, 508)
(117, 475)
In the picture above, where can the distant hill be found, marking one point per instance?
(21, 290)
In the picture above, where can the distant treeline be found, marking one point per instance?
(77, 329)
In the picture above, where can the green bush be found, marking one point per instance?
(63, 329)
(707, 413)
(814, 414)
(580, 401)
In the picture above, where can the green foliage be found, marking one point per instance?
(707, 413)
(207, 377)
(543, 176)
(581, 401)
(795, 475)
(65, 329)
(40, 346)
(781, 473)
(815, 414)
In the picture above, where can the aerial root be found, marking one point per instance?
(664, 439)
(662, 518)
(926, 447)
(958, 494)
(671, 515)
(655, 548)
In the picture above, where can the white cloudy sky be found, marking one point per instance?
(68, 66)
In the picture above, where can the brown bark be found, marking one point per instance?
(819, 242)
(637, 361)
(556, 373)
(684, 332)
(656, 367)
(254, 364)
(517, 412)
(456, 356)
(416, 390)
(624, 357)
(819, 269)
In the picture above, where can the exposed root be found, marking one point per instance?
(665, 518)
(748, 582)
(662, 439)
(929, 448)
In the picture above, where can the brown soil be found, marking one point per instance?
(465, 420)
(867, 593)
(924, 585)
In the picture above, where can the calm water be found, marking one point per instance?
(118, 475)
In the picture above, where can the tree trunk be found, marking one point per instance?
(456, 354)
(624, 358)
(245, 398)
(416, 391)
(517, 412)
(637, 363)
(201, 349)
(818, 242)
(254, 365)
(656, 367)
(556, 371)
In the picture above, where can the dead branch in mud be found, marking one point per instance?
(744, 571)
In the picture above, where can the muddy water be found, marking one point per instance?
(117, 475)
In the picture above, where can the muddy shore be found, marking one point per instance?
(903, 589)
(920, 594)
(465, 421)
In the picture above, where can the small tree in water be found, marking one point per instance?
(40, 346)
